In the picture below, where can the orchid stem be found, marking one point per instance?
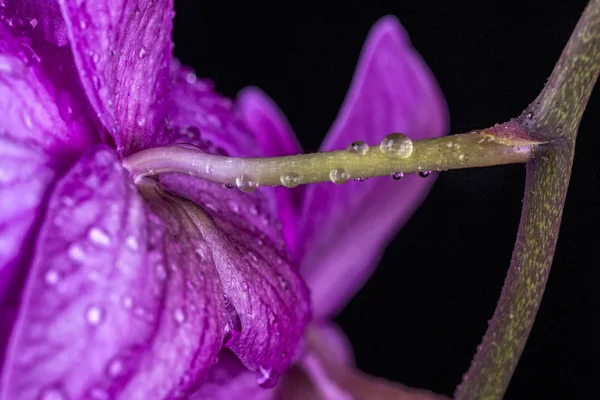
(477, 149)
(554, 116)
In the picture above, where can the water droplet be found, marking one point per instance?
(233, 206)
(359, 179)
(283, 283)
(127, 302)
(267, 377)
(76, 252)
(424, 174)
(143, 52)
(179, 315)
(253, 210)
(115, 368)
(530, 115)
(94, 315)
(99, 237)
(397, 176)
(51, 277)
(396, 145)
(53, 394)
(246, 184)
(461, 157)
(339, 175)
(131, 242)
(200, 253)
(229, 185)
(290, 180)
(191, 78)
(95, 58)
(244, 286)
(358, 147)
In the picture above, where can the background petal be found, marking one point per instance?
(267, 302)
(276, 138)
(40, 96)
(346, 227)
(25, 178)
(122, 49)
(100, 313)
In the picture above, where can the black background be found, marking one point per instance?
(420, 318)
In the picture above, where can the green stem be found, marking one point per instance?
(555, 117)
(477, 149)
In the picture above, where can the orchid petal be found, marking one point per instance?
(44, 18)
(122, 50)
(276, 137)
(100, 313)
(346, 227)
(40, 97)
(266, 299)
(229, 379)
(25, 177)
(331, 373)
(193, 103)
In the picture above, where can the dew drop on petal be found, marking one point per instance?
(143, 52)
(115, 368)
(266, 377)
(424, 174)
(76, 252)
(253, 210)
(53, 394)
(127, 302)
(283, 283)
(290, 180)
(339, 175)
(99, 237)
(397, 176)
(51, 277)
(233, 206)
(179, 315)
(131, 242)
(94, 315)
(244, 286)
(246, 184)
(396, 145)
(358, 147)
(229, 185)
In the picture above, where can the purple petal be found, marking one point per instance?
(25, 177)
(122, 50)
(193, 104)
(44, 18)
(40, 96)
(106, 308)
(266, 299)
(276, 138)
(229, 379)
(346, 227)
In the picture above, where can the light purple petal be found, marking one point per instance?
(40, 96)
(107, 307)
(229, 379)
(276, 138)
(25, 177)
(193, 104)
(267, 299)
(122, 49)
(346, 227)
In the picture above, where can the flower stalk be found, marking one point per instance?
(359, 161)
(554, 116)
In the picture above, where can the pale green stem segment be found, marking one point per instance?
(476, 149)
(554, 117)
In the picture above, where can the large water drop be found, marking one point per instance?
(246, 184)
(358, 147)
(339, 175)
(396, 145)
(290, 180)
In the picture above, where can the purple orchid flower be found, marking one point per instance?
(179, 287)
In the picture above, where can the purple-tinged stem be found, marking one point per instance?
(554, 117)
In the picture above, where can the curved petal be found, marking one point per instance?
(40, 96)
(276, 138)
(25, 178)
(346, 227)
(100, 316)
(122, 50)
(266, 299)
(44, 19)
(331, 376)
(229, 379)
